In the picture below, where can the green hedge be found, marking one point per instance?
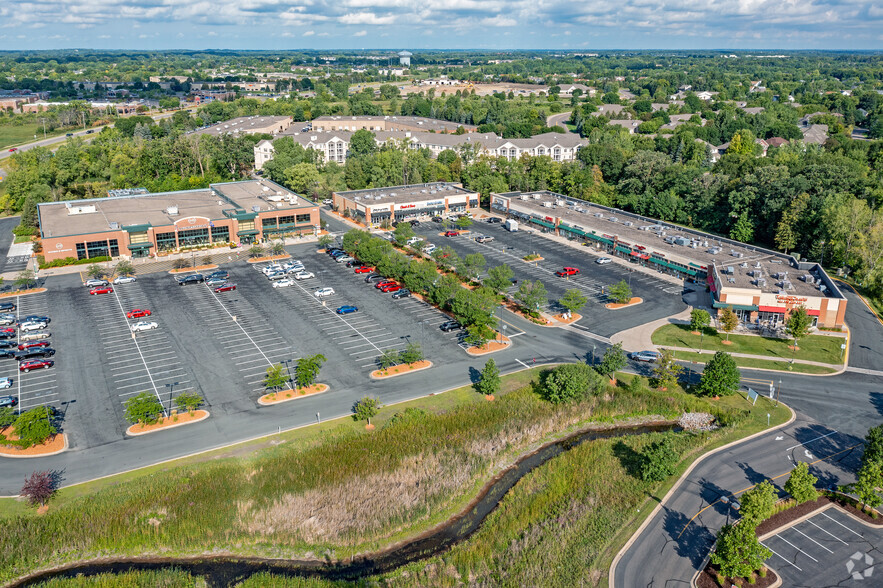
(22, 230)
(70, 261)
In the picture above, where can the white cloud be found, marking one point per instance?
(499, 21)
(366, 18)
(361, 33)
(309, 33)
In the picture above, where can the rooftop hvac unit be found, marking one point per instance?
(547, 204)
(761, 282)
(423, 191)
(220, 203)
(730, 270)
(357, 198)
(740, 255)
(731, 280)
(392, 194)
(599, 215)
(743, 264)
(613, 219)
(628, 223)
(525, 197)
(255, 208)
(114, 226)
(172, 210)
(537, 196)
(757, 265)
(560, 202)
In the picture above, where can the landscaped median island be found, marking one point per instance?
(424, 462)
(33, 433)
(148, 415)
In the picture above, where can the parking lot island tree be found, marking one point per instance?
(758, 503)
(659, 461)
(7, 417)
(325, 241)
(307, 370)
(666, 370)
(143, 409)
(873, 445)
(95, 271)
(277, 248)
(276, 377)
(728, 322)
(801, 484)
(38, 488)
(573, 300)
(446, 257)
(25, 279)
(699, 319)
(738, 552)
(798, 324)
(412, 353)
(570, 382)
(475, 308)
(256, 251)
(620, 293)
(420, 275)
(532, 295)
(471, 266)
(463, 223)
(180, 264)
(488, 382)
(124, 268)
(365, 409)
(189, 401)
(720, 376)
(614, 360)
(499, 278)
(868, 479)
(388, 359)
(34, 426)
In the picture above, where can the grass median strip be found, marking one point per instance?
(767, 364)
(821, 348)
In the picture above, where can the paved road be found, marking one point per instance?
(559, 120)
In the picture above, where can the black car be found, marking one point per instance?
(354, 263)
(6, 306)
(494, 220)
(403, 293)
(35, 318)
(7, 353)
(438, 219)
(191, 279)
(414, 223)
(34, 352)
(450, 326)
(222, 274)
(8, 343)
(333, 250)
(8, 335)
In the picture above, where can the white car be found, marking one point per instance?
(7, 319)
(95, 282)
(283, 283)
(143, 326)
(344, 258)
(34, 336)
(5, 383)
(323, 292)
(32, 326)
(296, 268)
(429, 249)
(124, 279)
(302, 275)
(328, 201)
(414, 240)
(603, 260)
(270, 269)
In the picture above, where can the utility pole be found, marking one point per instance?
(44, 127)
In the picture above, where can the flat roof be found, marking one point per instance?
(412, 121)
(686, 245)
(96, 215)
(409, 193)
(244, 124)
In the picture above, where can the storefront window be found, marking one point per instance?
(96, 249)
(220, 234)
(246, 225)
(81, 251)
(138, 237)
(114, 248)
(268, 222)
(303, 218)
(193, 237)
(286, 220)
(166, 242)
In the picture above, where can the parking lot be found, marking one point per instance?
(661, 298)
(39, 387)
(829, 549)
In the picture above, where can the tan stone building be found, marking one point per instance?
(375, 206)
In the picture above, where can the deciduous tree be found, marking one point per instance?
(720, 376)
(307, 370)
(728, 321)
(573, 300)
(499, 278)
(614, 360)
(366, 409)
(488, 382)
(798, 323)
(667, 370)
(801, 484)
(699, 319)
(276, 377)
(620, 293)
(38, 488)
(34, 426)
(144, 408)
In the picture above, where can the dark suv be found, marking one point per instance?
(373, 278)
(7, 306)
(34, 352)
(222, 274)
(450, 326)
(35, 318)
(191, 279)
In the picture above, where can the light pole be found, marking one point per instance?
(502, 333)
(593, 354)
(778, 392)
(171, 387)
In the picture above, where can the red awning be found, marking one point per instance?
(781, 309)
(710, 280)
(813, 312)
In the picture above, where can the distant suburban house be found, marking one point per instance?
(776, 141)
(627, 124)
(608, 109)
(815, 134)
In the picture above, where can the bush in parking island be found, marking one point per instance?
(411, 354)
(180, 264)
(620, 293)
(366, 408)
(388, 358)
(124, 268)
(277, 248)
(95, 271)
(255, 251)
(801, 484)
(307, 370)
(39, 487)
(69, 261)
(144, 408)
(276, 377)
(25, 279)
(464, 222)
(189, 401)
(33, 427)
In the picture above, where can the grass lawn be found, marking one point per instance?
(22, 238)
(767, 364)
(821, 348)
(12, 135)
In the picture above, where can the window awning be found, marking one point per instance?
(717, 304)
(249, 232)
(781, 309)
(135, 246)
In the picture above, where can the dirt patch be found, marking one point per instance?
(198, 268)
(490, 346)
(535, 259)
(52, 446)
(616, 305)
(175, 420)
(23, 292)
(268, 258)
(401, 369)
(286, 395)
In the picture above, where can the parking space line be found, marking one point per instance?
(783, 559)
(811, 440)
(795, 547)
(811, 539)
(842, 525)
(825, 531)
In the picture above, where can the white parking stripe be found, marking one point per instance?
(825, 531)
(797, 548)
(842, 525)
(811, 539)
(789, 563)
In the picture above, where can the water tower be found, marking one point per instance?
(405, 58)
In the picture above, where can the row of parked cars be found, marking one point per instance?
(24, 339)
(284, 274)
(218, 280)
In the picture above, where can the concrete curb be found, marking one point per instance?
(420, 369)
(173, 426)
(680, 481)
(263, 402)
(62, 450)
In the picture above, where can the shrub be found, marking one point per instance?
(411, 354)
(659, 461)
(388, 358)
(489, 381)
(34, 426)
(180, 264)
(71, 261)
(614, 360)
(39, 487)
(569, 382)
(721, 376)
(307, 370)
(23, 231)
(620, 293)
(365, 409)
(144, 408)
(189, 401)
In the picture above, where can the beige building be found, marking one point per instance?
(376, 206)
(248, 125)
(387, 123)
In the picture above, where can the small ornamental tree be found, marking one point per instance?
(325, 241)
(667, 370)
(307, 370)
(531, 295)
(7, 417)
(144, 408)
(403, 232)
(573, 300)
(39, 488)
(699, 319)
(801, 484)
(389, 358)
(659, 461)
(34, 426)
(189, 401)
(124, 268)
(758, 503)
(738, 553)
(569, 382)
(464, 222)
(729, 321)
(411, 354)
(620, 293)
(868, 479)
(276, 377)
(499, 278)
(95, 271)
(255, 251)
(24, 279)
(489, 381)
(180, 264)
(873, 445)
(798, 323)
(365, 409)
(277, 248)
(720, 376)
(614, 360)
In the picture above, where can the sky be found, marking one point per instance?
(441, 24)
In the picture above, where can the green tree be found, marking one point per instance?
(720, 376)
(403, 232)
(743, 229)
(488, 382)
(471, 265)
(124, 268)
(532, 295)
(362, 143)
(569, 382)
(412, 353)
(388, 358)
(659, 461)
(573, 300)
(499, 278)
(325, 241)
(801, 484)
(742, 143)
(738, 553)
(873, 445)
(366, 409)
(307, 370)
(144, 408)
(276, 377)
(667, 370)
(277, 248)
(189, 401)
(95, 271)
(728, 321)
(614, 360)
(34, 426)
(620, 293)
(302, 178)
(464, 222)
(868, 479)
(798, 323)
(758, 503)
(475, 308)
(255, 251)
(699, 319)
(7, 417)
(787, 231)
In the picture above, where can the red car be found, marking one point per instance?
(364, 270)
(138, 313)
(33, 364)
(568, 271)
(225, 288)
(32, 344)
(101, 290)
(452, 233)
(380, 285)
(13, 150)
(390, 288)
(7, 330)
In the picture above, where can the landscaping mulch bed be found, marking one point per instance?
(401, 369)
(22, 292)
(617, 305)
(286, 395)
(198, 268)
(707, 578)
(490, 346)
(55, 444)
(784, 518)
(268, 258)
(184, 418)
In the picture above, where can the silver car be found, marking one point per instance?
(96, 282)
(5, 383)
(34, 336)
(32, 326)
(124, 279)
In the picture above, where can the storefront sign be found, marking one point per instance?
(790, 299)
(404, 206)
(434, 203)
(550, 219)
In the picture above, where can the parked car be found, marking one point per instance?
(414, 223)
(124, 279)
(212, 282)
(6, 335)
(413, 241)
(603, 260)
(327, 201)
(228, 287)
(338, 253)
(302, 275)
(343, 258)
(35, 364)
(438, 219)
(294, 268)
(143, 326)
(272, 269)
(648, 356)
(7, 319)
(354, 263)
(32, 326)
(34, 336)
(36, 352)
(277, 276)
(7, 306)
(40, 318)
(323, 292)
(101, 290)
(32, 345)
(5, 383)
(567, 271)
(385, 283)
(375, 278)
(333, 250)
(9, 343)
(390, 288)
(402, 293)
(494, 220)
(346, 309)
(223, 274)
(138, 313)
(8, 400)
(8, 353)
(95, 282)
(191, 279)
(429, 249)
(449, 326)
(452, 233)
(285, 283)
(484, 238)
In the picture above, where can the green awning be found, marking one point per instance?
(717, 304)
(250, 232)
(623, 249)
(573, 230)
(542, 222)
(134, 246)
(137, 228)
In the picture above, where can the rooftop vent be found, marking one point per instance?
(114, 225)
(172, 210)
(731, 280)
(80, 209)
(255, 208)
